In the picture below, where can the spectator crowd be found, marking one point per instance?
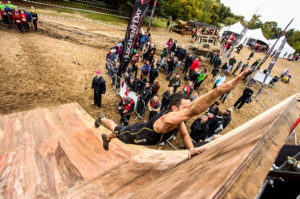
(18, 17)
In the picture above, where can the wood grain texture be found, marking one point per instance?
(56, 153)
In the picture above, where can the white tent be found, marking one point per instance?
(257, 35)
(286, 49)
(236, 28)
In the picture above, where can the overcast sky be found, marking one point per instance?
(281, 11)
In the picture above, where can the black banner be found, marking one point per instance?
(152, 14)
(272, 63)
(138, 14)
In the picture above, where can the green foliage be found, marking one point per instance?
(254, 20)
(270, 30)
(229, 21)
(294, 40)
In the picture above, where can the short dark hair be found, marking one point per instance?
(175, 99)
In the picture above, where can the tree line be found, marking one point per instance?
(211, 12)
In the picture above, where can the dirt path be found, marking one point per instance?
(37, 69)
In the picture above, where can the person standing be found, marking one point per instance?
(188, 89)
(155, 88)
(99, 87)
(252, 69)
(232, 61)
(126, 108)
(188, 63)
(172, 61)
(171, 27)
(248, 92)
(34, 15)
(244, 67)
(237, 67)
(251, 55)
(18, 21)
(135, 64)
(220, 80)
(24, 19)
(153, 73)
(175, 82)
(163, 56)
(181, 53)
(226, 118)
(166, 98)
(199, 129)
(145, 70)
(200, 79)
(154, 106)
(194, 65)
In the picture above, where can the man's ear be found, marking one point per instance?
(174, 108)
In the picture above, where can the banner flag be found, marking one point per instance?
(272, 48)
(152, 14)
(272, 63)
(139, 11)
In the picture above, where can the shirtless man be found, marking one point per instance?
(168, 122)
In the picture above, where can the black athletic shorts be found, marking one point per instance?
(138, 133)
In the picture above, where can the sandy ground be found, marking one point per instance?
(37, 69)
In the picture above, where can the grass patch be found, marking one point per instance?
(156, 22)
(105, 18)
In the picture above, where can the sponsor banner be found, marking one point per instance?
(138, 14)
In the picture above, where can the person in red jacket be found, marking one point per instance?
(24, 19)
(195, 65)
(18, 21)
(126, 108)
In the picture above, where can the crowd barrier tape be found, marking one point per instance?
(79, 9)
(87, 20)
(90, 4)
(83, 20)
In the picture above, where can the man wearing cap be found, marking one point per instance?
(99, 87)
(126, 108)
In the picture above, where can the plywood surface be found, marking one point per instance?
(56, 153)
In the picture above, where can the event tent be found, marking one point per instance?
(286, 49)
(257, 35)
(235, 28)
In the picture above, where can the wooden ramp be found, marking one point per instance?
(56, 153)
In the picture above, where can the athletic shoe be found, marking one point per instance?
(105, 142)
(98, 121)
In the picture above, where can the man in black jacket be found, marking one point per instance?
(146, 93)
(181, 53)
(132, 84)
(166, 98)
(99, 87)
(199, 129)
(188, 62)
(226, 118)
(248, 92)
(214, 108)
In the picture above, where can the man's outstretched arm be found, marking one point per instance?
(202, 103)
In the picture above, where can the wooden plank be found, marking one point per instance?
(56, 153)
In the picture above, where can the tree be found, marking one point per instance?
(255, 19)
(229, 21)
(294, 41)
(270, 30)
